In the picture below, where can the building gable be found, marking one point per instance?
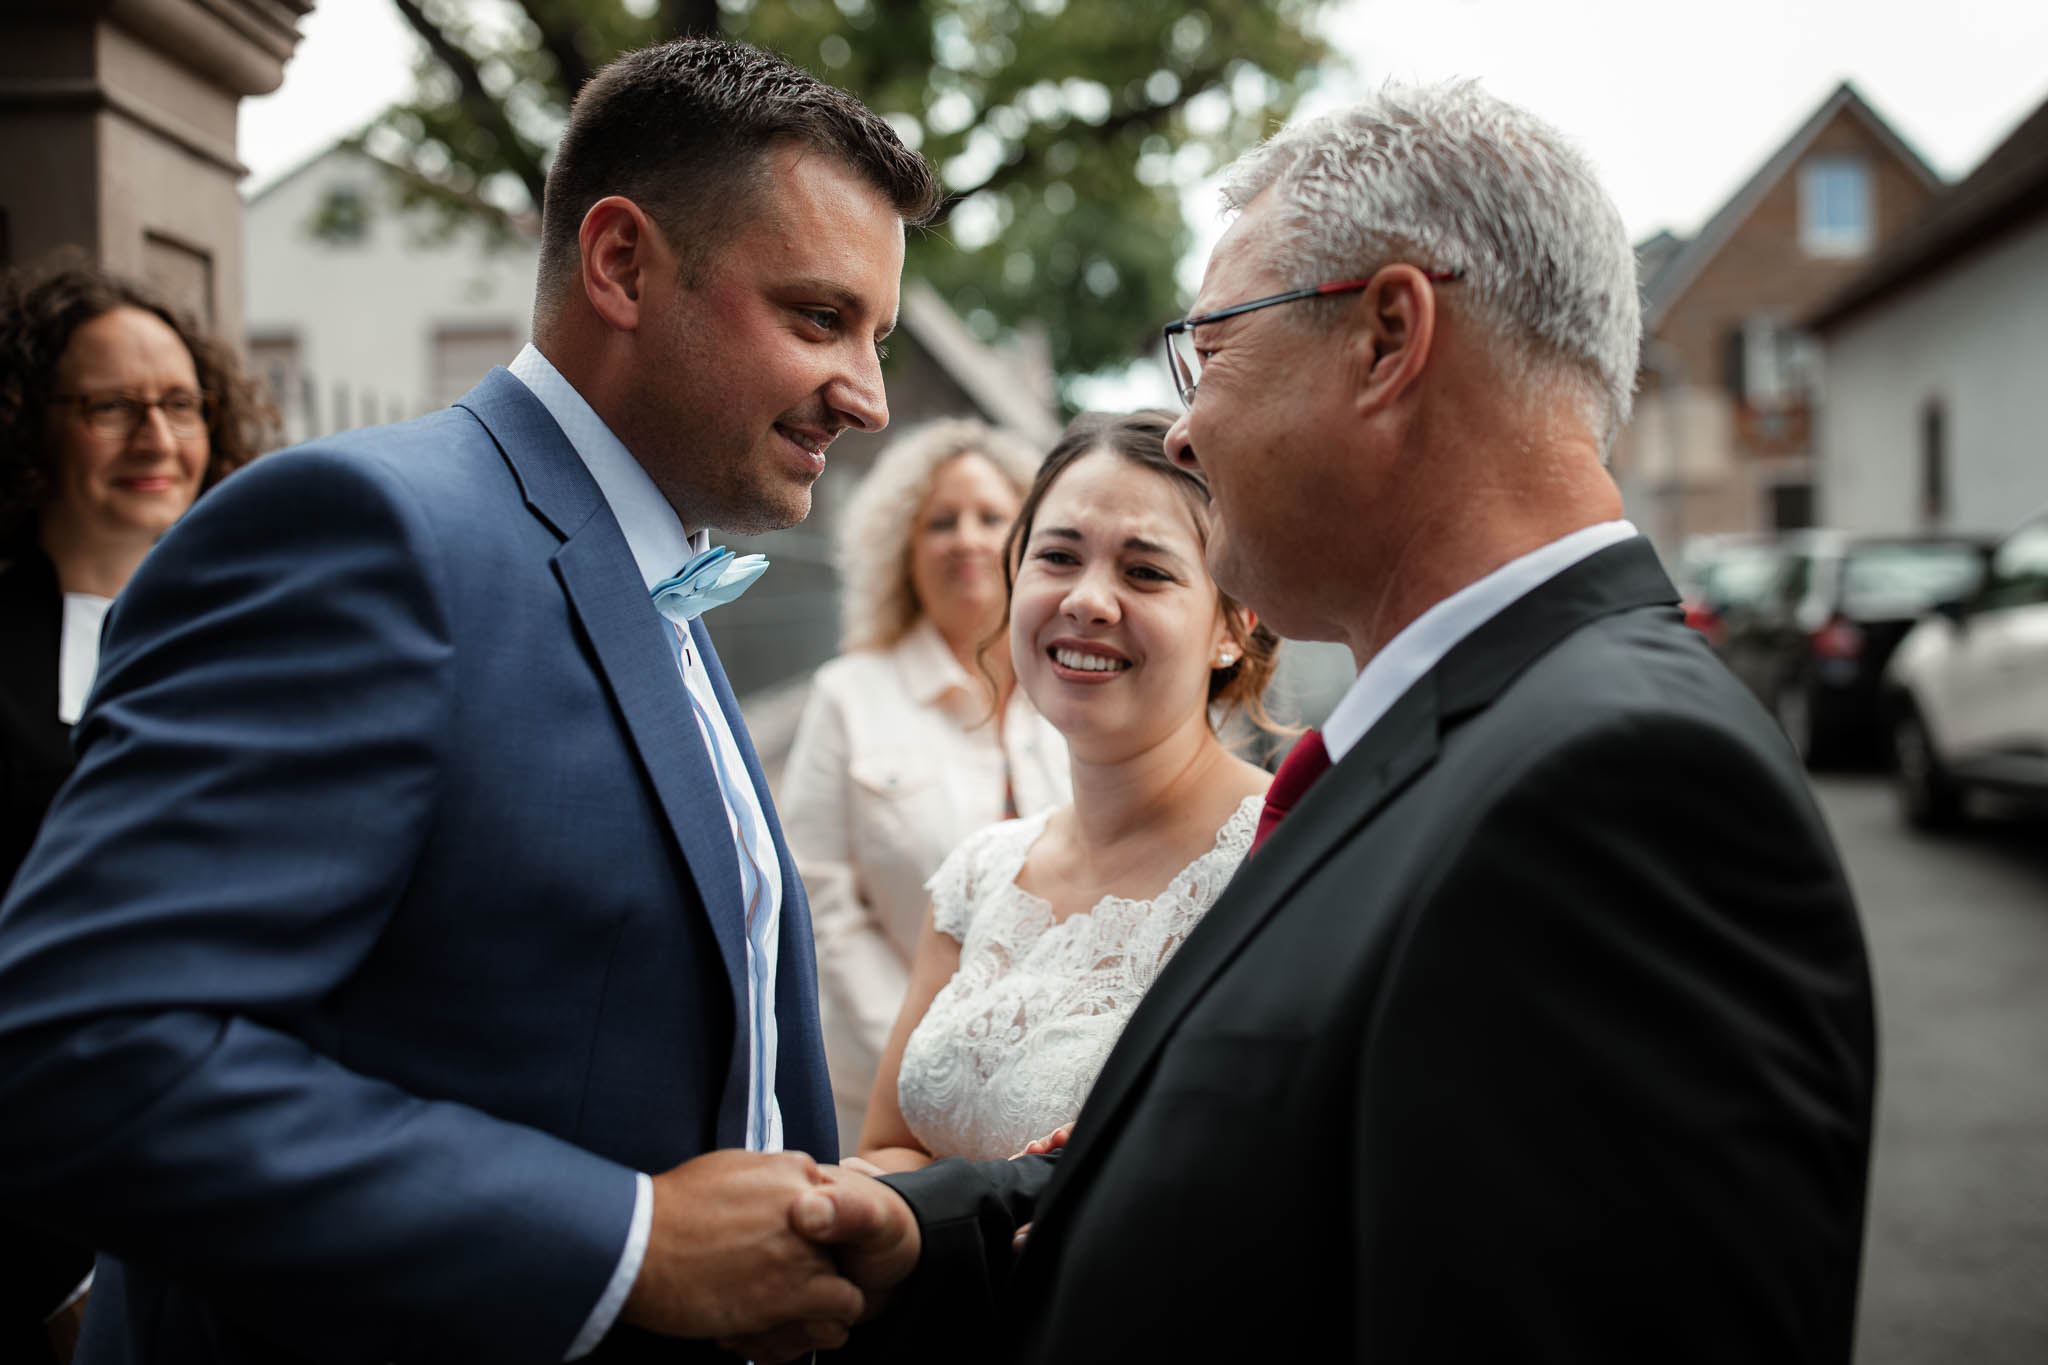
(1762, 218)
(2009, 188)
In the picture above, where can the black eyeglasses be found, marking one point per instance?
(1186, 364)
(115, 416)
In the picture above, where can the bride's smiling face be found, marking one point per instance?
(1114, 620)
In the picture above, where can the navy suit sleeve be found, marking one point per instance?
(259, 767)
(1646, 940)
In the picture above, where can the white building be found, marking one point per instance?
(361, 311)
(1935, 413)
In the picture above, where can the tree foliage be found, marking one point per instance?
(1063, 129)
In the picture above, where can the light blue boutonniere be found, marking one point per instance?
(710, 579)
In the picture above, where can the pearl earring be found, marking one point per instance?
(1225, 659)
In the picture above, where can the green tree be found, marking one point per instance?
(1063, 130)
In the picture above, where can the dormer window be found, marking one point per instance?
(1835, 206)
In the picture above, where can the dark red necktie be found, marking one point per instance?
(1305, 762)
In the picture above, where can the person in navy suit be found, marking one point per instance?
(416, 929)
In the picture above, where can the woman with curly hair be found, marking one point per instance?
(910, 740)
(115, 413)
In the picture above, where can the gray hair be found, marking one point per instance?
(878, 606)
(1467, 182)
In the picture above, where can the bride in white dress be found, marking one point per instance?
(1044, 932)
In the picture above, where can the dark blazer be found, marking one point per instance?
(37, 1270)
(1540, 1031)
(35, 746)
(391, 920)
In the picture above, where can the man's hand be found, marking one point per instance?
(725, 1258)
(870, 1229)
(871, 1232)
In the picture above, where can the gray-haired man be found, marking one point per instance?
(1541, 1027)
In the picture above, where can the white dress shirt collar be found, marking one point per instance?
(654, 533)
(1424, 641)
(78, 651)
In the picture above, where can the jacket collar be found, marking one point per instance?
(653, 531)
(551, 476)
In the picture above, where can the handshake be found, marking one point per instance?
(770, 1254)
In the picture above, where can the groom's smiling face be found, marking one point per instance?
(752, 367)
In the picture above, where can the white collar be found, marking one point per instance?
(654, 533)
(1424, 641)
(928, 666)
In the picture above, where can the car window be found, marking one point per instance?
(1907, 578)
(1743, 576)
(2019, 568)
(1798, 578)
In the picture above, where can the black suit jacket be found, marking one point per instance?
(35, 746)
(37, 1270)
(1540, 1031)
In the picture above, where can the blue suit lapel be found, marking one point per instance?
(602, 583)
(626, 634)
(603, 586)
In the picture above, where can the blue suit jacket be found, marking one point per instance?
(391, 920)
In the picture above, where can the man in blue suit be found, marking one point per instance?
(416, 930)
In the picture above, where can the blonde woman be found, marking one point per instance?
(909, 742)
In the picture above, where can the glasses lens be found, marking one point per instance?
(112, 415)
(115, 417)
(1187, 366)
(184, 412)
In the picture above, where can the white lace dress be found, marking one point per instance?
(1012, 1044)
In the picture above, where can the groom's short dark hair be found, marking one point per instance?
(683, 130)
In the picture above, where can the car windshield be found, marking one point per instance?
(1907, 578)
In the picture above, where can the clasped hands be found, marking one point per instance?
(770, 1254)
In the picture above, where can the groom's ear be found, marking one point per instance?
(620, 247)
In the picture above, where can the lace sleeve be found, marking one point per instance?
(952, 888)
(985, 859)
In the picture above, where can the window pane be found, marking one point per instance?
(1834, 206)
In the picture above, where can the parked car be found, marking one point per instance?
(1720, 575)
(1814, 643)
(1969, 688)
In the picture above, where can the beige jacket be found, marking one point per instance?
(894, 764)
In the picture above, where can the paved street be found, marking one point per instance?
(1957, 1265)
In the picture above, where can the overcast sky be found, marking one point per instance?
(1676, 103)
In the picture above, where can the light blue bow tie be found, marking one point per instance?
(710, 579)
